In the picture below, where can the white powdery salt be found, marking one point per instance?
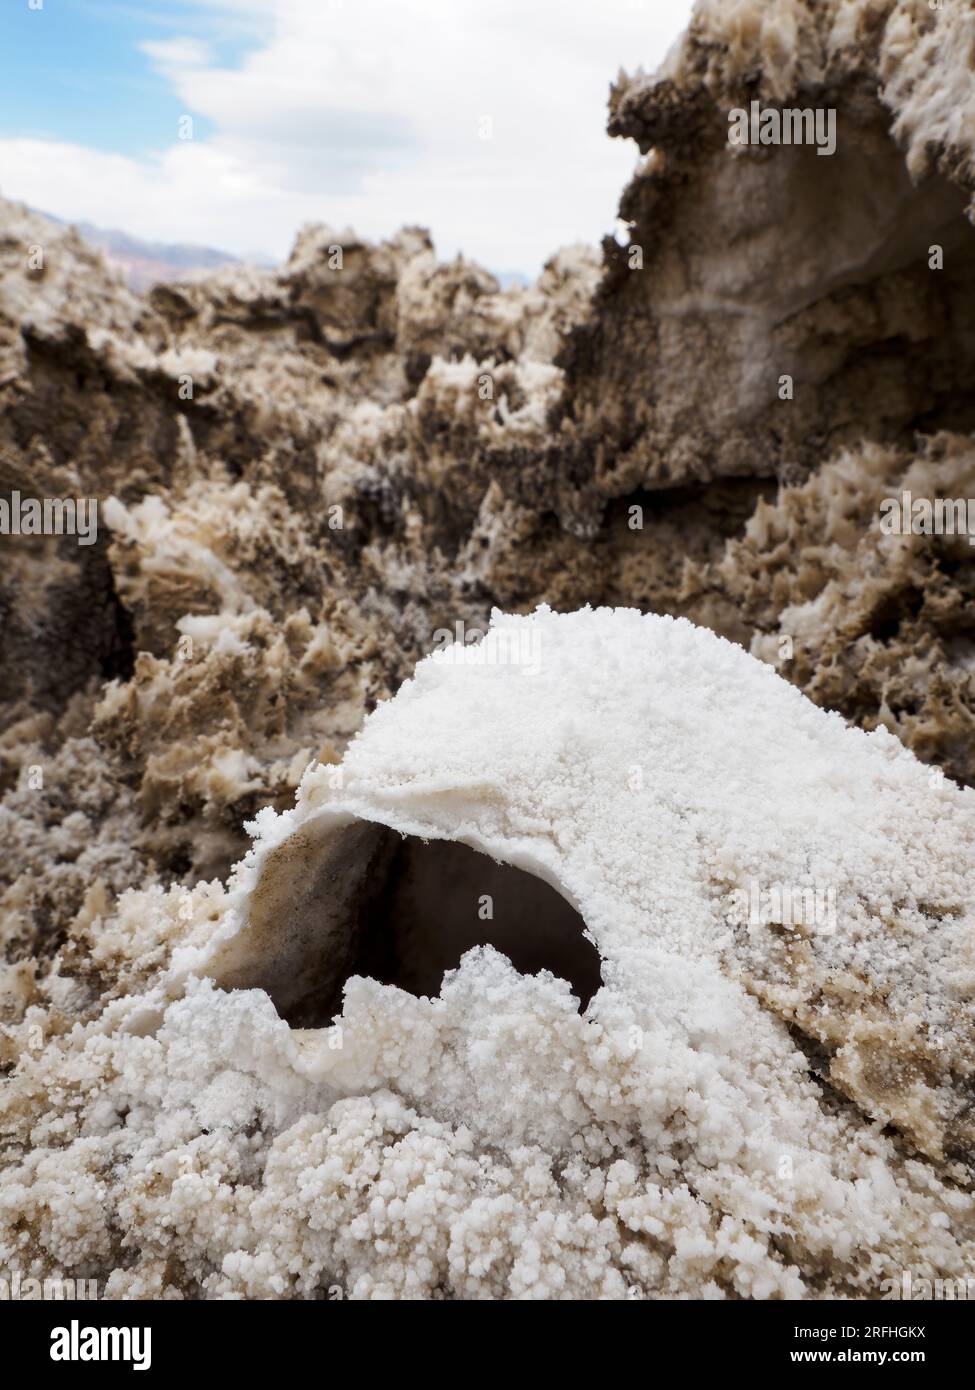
(654, 773)
(492, 1141)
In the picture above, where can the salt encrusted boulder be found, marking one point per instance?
(702, 1105)
(662, 780)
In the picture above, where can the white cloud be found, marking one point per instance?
(177, 54)
(370, 113)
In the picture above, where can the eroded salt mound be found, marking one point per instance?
(744, 1108)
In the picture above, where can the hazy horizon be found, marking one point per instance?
(230, 123)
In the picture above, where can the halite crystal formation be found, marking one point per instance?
(490, 1140)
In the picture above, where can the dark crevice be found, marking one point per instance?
(118, 661)
(885, 621)
(434, 906)
(400, 910)
(727, 504)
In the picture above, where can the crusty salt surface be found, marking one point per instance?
(713, 1124)
(661, 778)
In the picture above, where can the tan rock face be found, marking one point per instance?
(304, 476)
(748, 264)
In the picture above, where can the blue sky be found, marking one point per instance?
(75, 70)
(364, 112)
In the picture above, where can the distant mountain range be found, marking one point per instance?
(146, 263)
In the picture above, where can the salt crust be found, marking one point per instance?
(492, 1142)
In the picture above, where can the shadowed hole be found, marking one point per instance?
(367, 901)
(442, 898)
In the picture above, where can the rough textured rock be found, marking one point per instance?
(763, 261)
